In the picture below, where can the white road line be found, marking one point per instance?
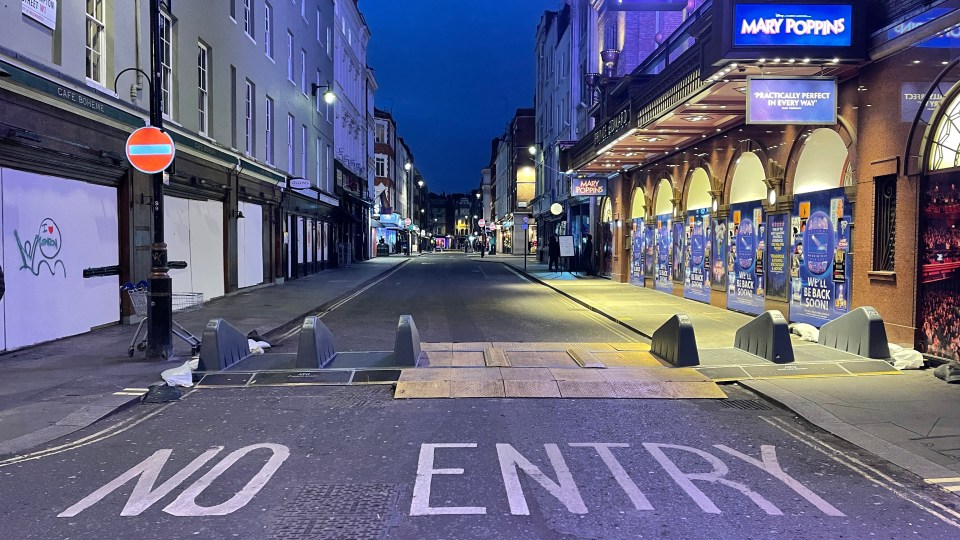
(869, 473)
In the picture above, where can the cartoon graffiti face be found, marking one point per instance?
(49, 238)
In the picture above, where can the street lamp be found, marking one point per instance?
(328, 96)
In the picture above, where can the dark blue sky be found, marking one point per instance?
(453, 72)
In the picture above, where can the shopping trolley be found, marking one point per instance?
(183, 302)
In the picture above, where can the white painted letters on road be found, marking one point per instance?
(144, 495)
(420, 506)
(685, 480)
(768, 454)
(185, 504)
(639, 501)
(566, 490)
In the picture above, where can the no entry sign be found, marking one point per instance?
(150, 150)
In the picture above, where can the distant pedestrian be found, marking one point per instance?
(553, 250)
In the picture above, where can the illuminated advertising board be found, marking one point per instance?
(792, 100)
(588, 187)
(792, 25)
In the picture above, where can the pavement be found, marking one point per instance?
(54, 389)
(911, 419)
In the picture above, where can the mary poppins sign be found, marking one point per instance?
(588, 187)
(792, 25)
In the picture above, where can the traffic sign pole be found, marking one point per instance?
(160, 313)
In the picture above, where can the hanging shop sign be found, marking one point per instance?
(746, 244)
(792, 25)
(719, 240)
(792, 100)
(696, 279)
(42, 11)
(637, 237)
(664, 251)
(777, 256)
(588, 187)
(820, 263)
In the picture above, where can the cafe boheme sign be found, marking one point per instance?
(588, 187)
(792, 25)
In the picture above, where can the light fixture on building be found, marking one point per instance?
(328, 96)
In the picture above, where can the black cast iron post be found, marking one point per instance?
(160, 313)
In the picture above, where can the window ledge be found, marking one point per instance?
(880, 276)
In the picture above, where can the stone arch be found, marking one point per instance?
(823, 162)
(745, 174)
(844, 170)
(638, 204)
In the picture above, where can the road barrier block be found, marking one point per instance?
(766, 336)
(859, 332)
(222, 346)
(675, 342)
(317, 348)
(406, 348)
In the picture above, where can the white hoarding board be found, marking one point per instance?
(53, 229)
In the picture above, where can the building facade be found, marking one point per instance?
(763, 207)
(239, 100)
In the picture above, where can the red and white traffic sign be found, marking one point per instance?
(482, 222)
(150, 150)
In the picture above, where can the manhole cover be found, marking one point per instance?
(336, 511)
(745, 404)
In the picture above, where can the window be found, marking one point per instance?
(248, 120)
(166, 64)
(303, 151)
(381, 135)
(96, 35)
(268, 30)
(289, 56)
(381, 161)
(203, 88)
(269, 130)
(303, 71)
(290, 161)
(884, 222)
(248, 18)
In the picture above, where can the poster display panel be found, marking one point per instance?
(938, 306)
(820, 259)
(664, 248)
(637, 250)
(696, 279)
(745, 243)
(777, 246)
(53, 229)
(719, 240)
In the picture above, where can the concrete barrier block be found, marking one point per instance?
(316, 348)
(859, 332)
(766, 336)
(406, 349)
(222, 346)
(675, 342)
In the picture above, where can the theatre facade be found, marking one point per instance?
(806, 163)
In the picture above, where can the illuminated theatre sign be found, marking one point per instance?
(792, 25)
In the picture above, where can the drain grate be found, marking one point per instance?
(745, 404)
(336, 511)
